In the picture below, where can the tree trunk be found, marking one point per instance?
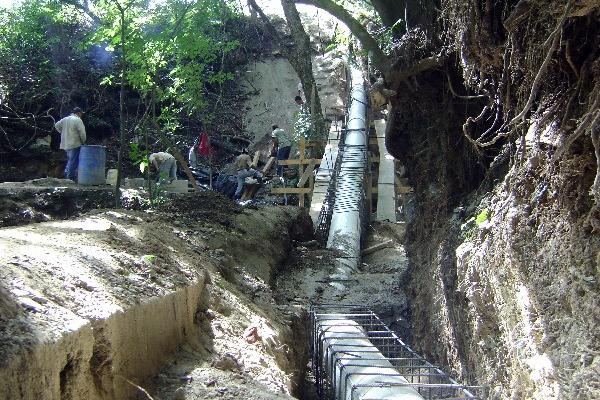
(390, 11)
(299, 57)
(121, 110)
(301, 60)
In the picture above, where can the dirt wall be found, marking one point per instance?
(503, 242)
(90, 303)
(95, 361)
(514, 299)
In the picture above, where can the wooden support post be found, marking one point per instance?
(301, 195)
(307, 173)
(268, 165)
(369, 183)
(302, 149)
(255, 160)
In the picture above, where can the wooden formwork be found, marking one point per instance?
(306, 168)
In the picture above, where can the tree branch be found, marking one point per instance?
(398, 75)
(380, 60)
(83, 7)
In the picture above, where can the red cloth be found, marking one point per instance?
(204, 148)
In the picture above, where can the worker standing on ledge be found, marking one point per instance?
(72, 136)
(166, 165)
(283, 143)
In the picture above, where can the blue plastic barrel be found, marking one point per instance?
(92, 163)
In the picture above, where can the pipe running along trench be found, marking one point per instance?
(345, 228)
(345, 237)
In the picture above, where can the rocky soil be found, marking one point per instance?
(508, 284)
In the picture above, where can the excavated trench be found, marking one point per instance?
(114, 304)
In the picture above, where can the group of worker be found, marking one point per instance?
(281, 145)
(73, 136)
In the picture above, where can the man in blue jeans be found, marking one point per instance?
(283, 143)
(72, 136)
(243, 164)
(166, 166)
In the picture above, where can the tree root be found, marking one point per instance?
(555, 36)
(141, 389)
(588, 121)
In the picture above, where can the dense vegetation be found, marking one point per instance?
(169, 59)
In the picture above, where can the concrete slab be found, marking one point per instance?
(386, 196)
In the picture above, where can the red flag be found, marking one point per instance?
(205, 149)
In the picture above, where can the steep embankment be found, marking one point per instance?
(90, 303)
(504, 244)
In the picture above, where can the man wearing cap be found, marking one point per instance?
(72, 136)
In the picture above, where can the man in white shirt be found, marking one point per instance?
(165, 164)
(283, 143)
(72, 136)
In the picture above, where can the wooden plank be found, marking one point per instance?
(298, 162)
(290, 190)
(255, 160)
(302, 149)
(250, 191)
(269, 165)
(309, 171)
(378, 246)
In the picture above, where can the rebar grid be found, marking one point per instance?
(427, 379)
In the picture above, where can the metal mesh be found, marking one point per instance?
(324, 220)
(427, 379)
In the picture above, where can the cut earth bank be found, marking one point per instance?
(180, 301)
(90, 303)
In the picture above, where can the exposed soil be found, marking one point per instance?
(122, 290)
(46, 199)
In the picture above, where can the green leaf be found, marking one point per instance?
(482, 217)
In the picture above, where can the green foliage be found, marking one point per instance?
(175, 55)
(139, 156)
(171, 50)
(149, 259)
(29, 41)
(482, 217)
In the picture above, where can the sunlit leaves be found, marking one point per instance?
(172, 47)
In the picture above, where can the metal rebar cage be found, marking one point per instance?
(340, 360)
